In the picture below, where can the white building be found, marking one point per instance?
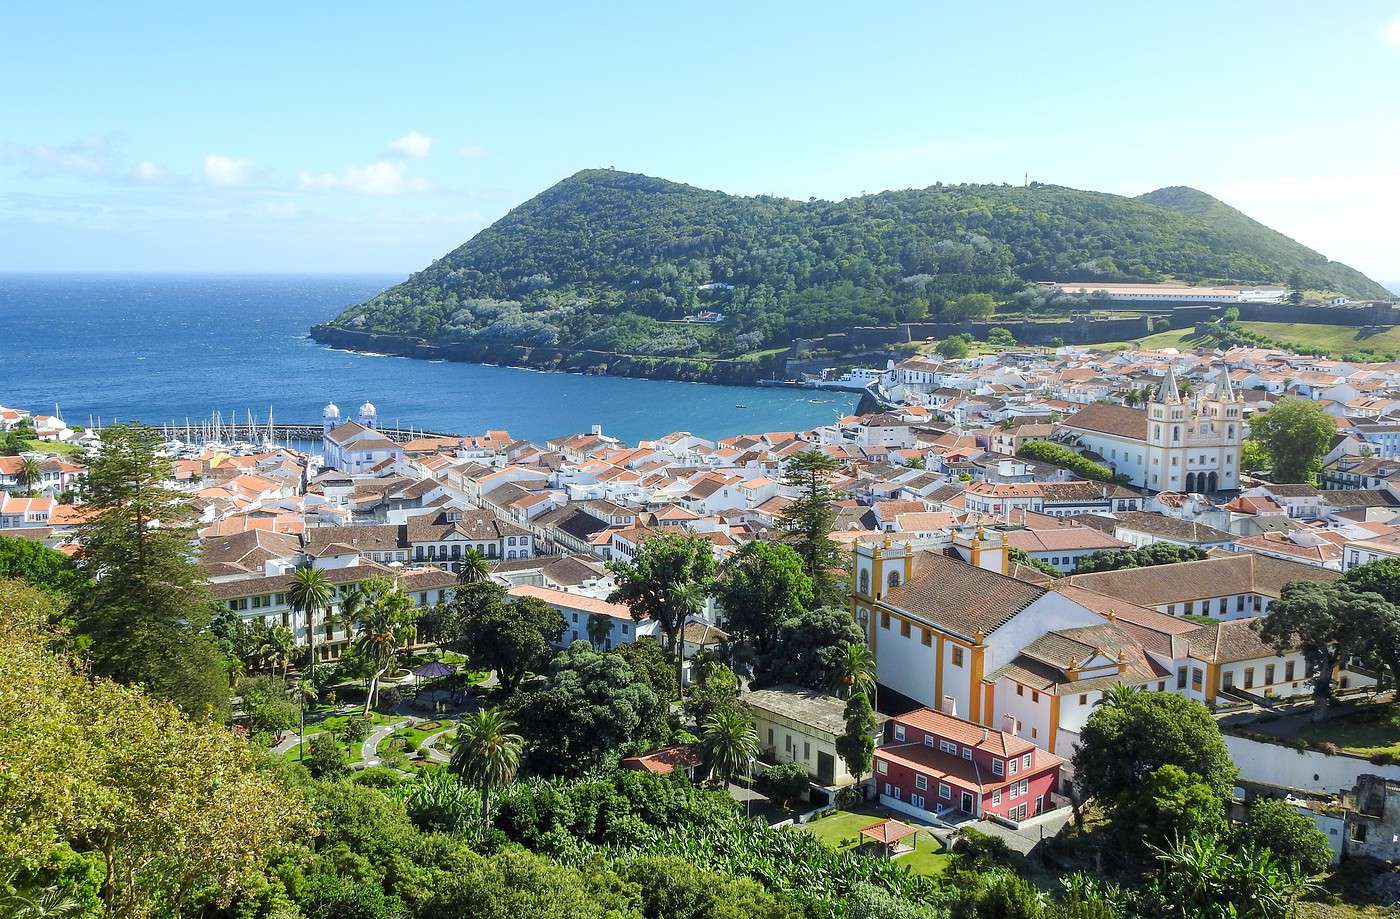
(1174, 445)
(355, 447)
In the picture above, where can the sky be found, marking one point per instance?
(289, 137)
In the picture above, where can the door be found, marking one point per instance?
(967, 803)
(826, 768)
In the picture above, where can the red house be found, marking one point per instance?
(933, 765)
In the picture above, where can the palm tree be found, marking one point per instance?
(36, 902)
(30, 472)
(309, 594)
(1117, 694)
(475, 568)
(305, 692)
(599, 628)
(382, 617)
(486, 754)
(689, 600)
(857, 669)
(278, 646)
(729, 743)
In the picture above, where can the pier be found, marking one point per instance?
(216, 430)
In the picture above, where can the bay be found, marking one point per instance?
(164, 348)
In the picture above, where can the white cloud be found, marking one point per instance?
(146, 171)
(412, 144)
(472, 151)
(278, 210)
(1391, 34)
(93, 155)
(379, 178)
(226, 170)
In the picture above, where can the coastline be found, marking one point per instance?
(722, 371)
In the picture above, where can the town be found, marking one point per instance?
(998, 548)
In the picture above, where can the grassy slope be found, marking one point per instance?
(1335, 339)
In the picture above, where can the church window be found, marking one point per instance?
(865, 580)
(894, 579)
(1176, 433)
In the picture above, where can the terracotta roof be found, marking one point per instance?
(591, 605)
(998, 743)
(1232, 640)
(665, 760)
(1225, 574)
(1110, 419)
(957, 597)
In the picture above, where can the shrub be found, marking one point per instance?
(357, 729)
(980, 848)
(784, 783)
(325, 758)
(377, 777)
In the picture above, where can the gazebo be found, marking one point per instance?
(433, 671)
(889, 833)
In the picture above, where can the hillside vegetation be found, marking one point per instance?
(611, 260)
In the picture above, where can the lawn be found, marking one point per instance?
(1369, 732)
(412, 736)
(1336, 340)
(840, 830)
(52, 446)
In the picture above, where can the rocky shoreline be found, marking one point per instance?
(573, 360)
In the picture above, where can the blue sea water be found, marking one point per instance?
(164, 348)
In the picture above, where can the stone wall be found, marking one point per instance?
(1309, 770)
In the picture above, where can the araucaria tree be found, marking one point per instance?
(856, 745)
(147, 611)
(1295, 433)
(664, 584)
(381, 618)
(807, 522)
(486, 754)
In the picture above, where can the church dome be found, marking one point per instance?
(367, 410)
(331, 410)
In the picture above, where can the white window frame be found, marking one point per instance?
(944, 791)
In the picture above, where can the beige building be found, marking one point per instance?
(797, 725)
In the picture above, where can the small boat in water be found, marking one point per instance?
(737, 405)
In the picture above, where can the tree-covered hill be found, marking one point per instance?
(1271, 246)
(611, 260)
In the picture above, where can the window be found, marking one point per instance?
(945, 792)
(1288, 672)
(1013, 790)
(1181, 677)
(1249, 678)
(1011, 765)
(947, 746)
(883, 768)
(927, 637)
(1026, 761)
(770, 739)
(1083, 698)
(1196, 678)
(904, 628)
(865, 580)
(967, 753)
(1228, 680)
(996, 797)
(1035, 696)
(1269, 675)
(1025, 786)
(884, 619)
(998, 768)
(806, 749)
(957, 656)
(893, 579)
(1239, 603)
(921, 782)
(899, 732)
(917, 801)
(928, 740)
(1020, 690)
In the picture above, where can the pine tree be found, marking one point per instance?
(808, 521)
(148, 611)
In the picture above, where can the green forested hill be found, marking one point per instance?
(608, 259)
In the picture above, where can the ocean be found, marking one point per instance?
(166, 348)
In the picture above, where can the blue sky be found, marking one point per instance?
(375, 137)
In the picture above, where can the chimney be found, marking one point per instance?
(949, 706)
(985, 733)
(1008, 724)
(596, 430)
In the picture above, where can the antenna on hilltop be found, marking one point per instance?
(1028, 180)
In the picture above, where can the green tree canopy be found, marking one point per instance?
(1155, 553)
(811, 650)
(511, 637)
(758, 588)
(32, 561)
(1295, 840)
(148, 610)
(592, 707)
(1295, 433)
(1125, 743)
(665, 583)
(807, 521)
